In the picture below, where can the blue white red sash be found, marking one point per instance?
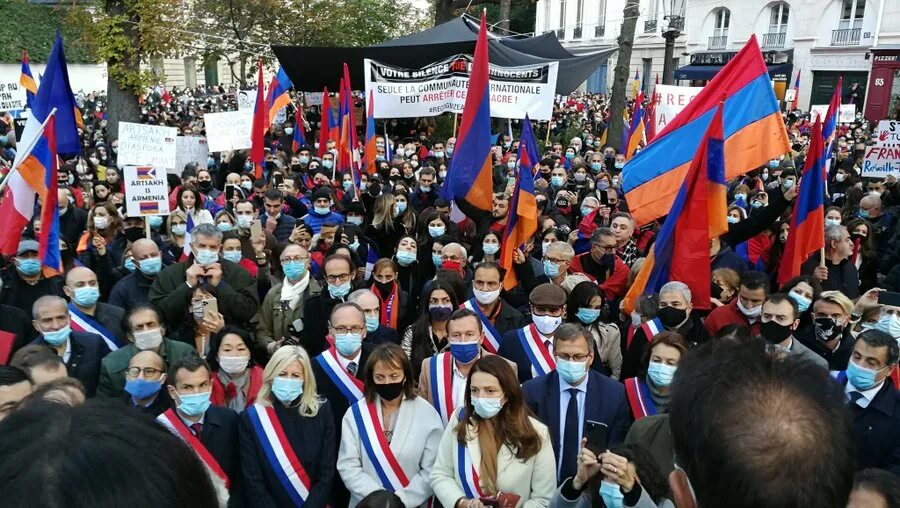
(639, 398)
(349, 385)
(491, 335)
(81, 322)
(440, 367)
(278, 450)
(465, 470)
(651, 328)
(176, 426)
(371, 434)
(542, 362)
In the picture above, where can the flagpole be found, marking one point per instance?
(455, 120)
(27, 152)
(547, 139)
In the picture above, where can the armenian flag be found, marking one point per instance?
(650, 114)
(698, 214)
(260, 124)
(149, 207)
(807, 233)
(27, 81)
(325, 128)
(753, 128)
(829, 123)
(278, 97)
(371, 152)
(299, 138)
(470, 176)
(636, 129)
(145, 173)
(796, 91)
(529, 157)
(522, 223)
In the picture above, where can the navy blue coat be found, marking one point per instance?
(877, 430)
(84, 362)
(283, 228)
(605, 402)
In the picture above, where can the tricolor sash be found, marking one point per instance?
(389, 307)
(639, 398)
(491, 335)
(465, 470)
(81, 322)
(278, 451)
(651, 328)
(176, 426)
(349, 385)
(371, 434)
(440, 367)
(542, 362)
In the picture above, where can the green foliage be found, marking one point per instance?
(32, 27)
(521, 15)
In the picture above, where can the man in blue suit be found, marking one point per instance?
(81, 352)
(573, 394)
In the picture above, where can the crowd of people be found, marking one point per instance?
(314, 341)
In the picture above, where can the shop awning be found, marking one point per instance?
(706, 72)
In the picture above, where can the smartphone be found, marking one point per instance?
(597, 435)
(889, 298)
(277, 179)
(256, 229)
(210, 308)
(604, 198)
(230, 189)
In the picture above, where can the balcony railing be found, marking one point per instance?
(600, 29)
(718, 42)
(845, 36)
(577, 32)
(649, 26)
(560, 33)
(774, 40)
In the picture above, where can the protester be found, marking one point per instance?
(14, 387)
(236, 375)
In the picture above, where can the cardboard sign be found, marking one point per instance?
(190, 149)
(313, 98)
(670, 100)
(789, 95)
(12, 95)
(883, 158)
(147, 145)
(146, 192)
(847, 113)
(229, 130)
(246, 99)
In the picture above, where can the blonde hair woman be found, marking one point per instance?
(386, 229)
(287, 438)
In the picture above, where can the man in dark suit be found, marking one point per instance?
(548, 309)
(217, 427)
(339, 274)
(81, 352)
(574, 394)
(487, 284)
(83, 291)
(873, 400)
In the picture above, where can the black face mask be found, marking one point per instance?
(774, 333)
(384, 288)
(607, 260)
(134, 234)
(205, 186)
(389, 391)
(827, 329)
(715, 291)
(671, 317)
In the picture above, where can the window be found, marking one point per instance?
(600, 29)
(579, 12)
(852, 14)
(778, 19)
(723, 16)
(652, 17)
(547, 16)
(561, 32)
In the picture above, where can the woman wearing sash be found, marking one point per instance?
(236, 376)
(492, 446)
(287, 437)
(391, 296)
(389, 439)
(649, 394)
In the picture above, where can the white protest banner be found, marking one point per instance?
(883, 158)
(229, 130)
(146, 145)
(190, 149)
(847, 113)
(146, 191)
(441, 87)
(789, 95)
(246, 99)
(313, 98)
(12, 95)
(670, 100)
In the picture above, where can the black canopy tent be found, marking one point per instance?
(311, 69)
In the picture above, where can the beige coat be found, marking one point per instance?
(273, 321)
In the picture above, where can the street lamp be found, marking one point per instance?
(674, 14)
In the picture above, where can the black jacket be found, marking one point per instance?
(131, 291)
(71, 225)
(314, 330)
(311, 438)
(383, 335)
(160, 404)
(110, 317)
(16, 322)
(284, 226)
(84, 362)
(837, 359)
(220, 437)
(22, 295)
(693, 331)
(877, 430)
(842, 277)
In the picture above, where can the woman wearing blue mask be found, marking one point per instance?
(409, 272)
(289, 432)
(585, 306)
(804, 290)
(173, 242)
(490, 249)
(624, 476)
(104, 239)
(428, 334)
(515, 457)
(430, 230)
(648, 394)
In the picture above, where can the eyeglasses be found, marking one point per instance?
(556, 261)
(343, 330)
(573, 358)
(608, 249)
(294, 258)
(149, 372)
(333, 279)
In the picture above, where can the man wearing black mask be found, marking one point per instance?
(602, 264)
(779, 320)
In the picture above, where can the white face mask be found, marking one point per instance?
(752, 314)
(635, 319)
(234, 364)
(486, 297)
(148, 339)
(546, 324)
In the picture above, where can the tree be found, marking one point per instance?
(126, 34)
(623, 61)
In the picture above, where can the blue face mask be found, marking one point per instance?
(405, 257)
(155, 221)
(570, 156)
(803, 302)
(511, 164)
(788, 184)
(863, 214)
(347, 343)
(29, 266)
(400, 207)
(195, 404)
(224, 227)
(756, 204)
(232, 255)
(490, 248)
(436, 259)
(86, 296)
(556, 181)
(339, 291)
(832, 222)
(551, 269)
(304, 159)
(354, 246)
(206, 257)
(322, 210)
(660, 373)
(740, 197)
(287, 389)
(596, 166)
(612, 495)
(210, 162)
(889, 324)
(464, 352)
(356, 220)
(58, 337)
(586, 211)
(438, 154)
(436, 231)
(572, 372)
(732, 219)
(328, 163)
(348, 184)
(774, 163)
(372, 323)
(588, 316)
(294, 270)
(129, 265)
(486, 408)
(151, 266)
(179, 229)
(860, 377)
(141, 388)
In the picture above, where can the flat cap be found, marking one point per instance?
(548, 295)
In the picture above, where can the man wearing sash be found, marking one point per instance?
(88, 314)
(497, 317)
(81, 352)
(531, 347)
(211, 431)
(376, 333)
